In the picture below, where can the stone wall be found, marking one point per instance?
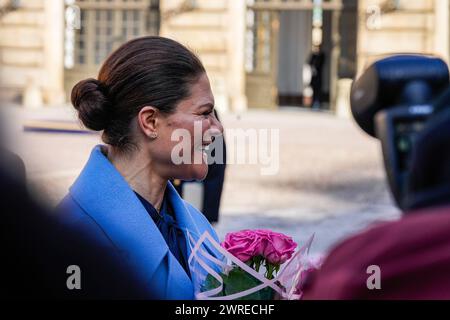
(31, 50)
(215, 31)
(413, 27)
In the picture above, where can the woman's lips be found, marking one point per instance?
(204, 146)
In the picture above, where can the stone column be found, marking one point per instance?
(54, 52)
(442, 25)
(236, 56)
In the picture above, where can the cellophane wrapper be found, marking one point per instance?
(218, 275)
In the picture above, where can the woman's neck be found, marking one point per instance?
(138, 172)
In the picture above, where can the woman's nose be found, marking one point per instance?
(215, 129)
(216, 126)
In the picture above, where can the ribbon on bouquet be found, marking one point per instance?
(290, 270)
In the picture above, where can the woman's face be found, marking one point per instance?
(178, 151)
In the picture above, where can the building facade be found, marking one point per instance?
(386, 27)
(255, 51)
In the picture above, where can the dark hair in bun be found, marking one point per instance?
(148, 71)
(89, 98)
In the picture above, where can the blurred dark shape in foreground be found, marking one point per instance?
(411, 256)
(12, 165)
(37, 251)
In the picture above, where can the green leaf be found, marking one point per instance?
(236, 281)
(239, 280)
(211, 283)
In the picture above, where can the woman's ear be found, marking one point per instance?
(148, 121)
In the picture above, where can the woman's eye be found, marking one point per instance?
(207, 113)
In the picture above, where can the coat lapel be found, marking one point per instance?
(188, 222)
(182, 214)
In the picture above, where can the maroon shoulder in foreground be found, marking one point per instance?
(413, 255)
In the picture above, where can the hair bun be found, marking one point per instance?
(90, 100)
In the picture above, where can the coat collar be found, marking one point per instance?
(106, 196)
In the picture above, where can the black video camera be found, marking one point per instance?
(392, 101)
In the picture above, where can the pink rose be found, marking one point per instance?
(278, 247)
(244, 245)
(275, 247)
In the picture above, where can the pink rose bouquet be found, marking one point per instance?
(261, 265)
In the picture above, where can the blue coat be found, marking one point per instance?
(102, 205)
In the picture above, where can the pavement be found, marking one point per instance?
(330, 183)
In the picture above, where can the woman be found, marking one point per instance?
(147, 91)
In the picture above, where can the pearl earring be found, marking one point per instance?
(153, 135)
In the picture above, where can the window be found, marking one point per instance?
(258, 39)
(106, 24)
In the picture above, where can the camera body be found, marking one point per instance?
(397, 130)
(392, 101)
